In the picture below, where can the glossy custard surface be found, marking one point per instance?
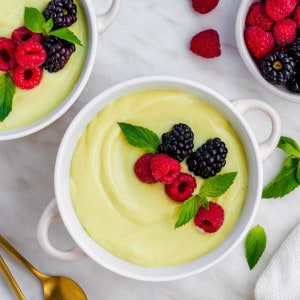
(133, 220)
(31, 105)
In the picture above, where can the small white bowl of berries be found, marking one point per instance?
(268, 40)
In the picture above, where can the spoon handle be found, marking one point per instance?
(10, 279)
(13, 252)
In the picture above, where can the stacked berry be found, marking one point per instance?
(271, 38)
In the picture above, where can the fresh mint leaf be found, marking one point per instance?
(139, 136)
(289, 145)
(217, 185)
(7, 91)
(47, 27)
(204, 202)
(188, 210)
(34, 19)
(66, 34)
(285, 181)
(255, 244)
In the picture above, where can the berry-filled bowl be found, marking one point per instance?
(268, 41)
(47, 52)
(158, 178)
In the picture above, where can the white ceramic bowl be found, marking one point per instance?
(62, 206)
(95, 26)
(249, 61)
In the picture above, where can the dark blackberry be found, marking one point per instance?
(208, 159)
(62, 12)
(294, 50)
(177, 143)
(58, 53)
(293, 84)
(277, 67)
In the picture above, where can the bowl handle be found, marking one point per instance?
(49, 215)
(106, 19)
(266, 147)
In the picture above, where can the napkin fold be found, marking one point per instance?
(281, 278)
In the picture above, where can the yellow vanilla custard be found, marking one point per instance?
(134, 220)
(31, 105)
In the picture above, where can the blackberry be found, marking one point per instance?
(277, 67)
(58, 53)
(294, 50)
(62, 12)
(178, 142)
(208, 159)
(293, 83)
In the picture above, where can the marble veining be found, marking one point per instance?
(149, 37)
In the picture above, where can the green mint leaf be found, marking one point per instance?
(7, 91)
(217, 185)
(188, 210)
(204, 202)
(255, 244)
(139, 136)
(298, 172)
(47, 27)
(289, 146)
(34, 19)
(66, 34)
(285, 181)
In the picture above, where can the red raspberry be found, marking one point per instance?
(204, 6)
(210, 220)
(284, 31)
(279, 9)
(27, 78)
(259, 42)
(258, 17)
(182, 187)
(142, 168)
(22, 34)
(164, 168)
(30, 54)
(206, 44)
(296, 16)
(7, 54)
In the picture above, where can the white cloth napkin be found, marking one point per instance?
(281, 278)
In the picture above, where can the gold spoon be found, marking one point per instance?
(10, 279)
(55, 287)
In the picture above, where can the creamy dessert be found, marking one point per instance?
(133, 220)
(30, 105)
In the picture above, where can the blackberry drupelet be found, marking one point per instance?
(277, 67)
(294, 50)
(58, 53)
(208, 159)
(63, 13)
(293, 84)
(178, 142)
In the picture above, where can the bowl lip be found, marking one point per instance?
(247, 58)
(68, 215)
(79, 86)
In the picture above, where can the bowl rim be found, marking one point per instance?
(109, 261)
(249, 61)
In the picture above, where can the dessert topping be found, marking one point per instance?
(23, 34)
(142, 168)
(7, 54)
(27, 78)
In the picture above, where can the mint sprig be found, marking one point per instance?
(140, 137)
(255, 245)
(35, 21)
(213, 187)
(7, 91)
(288, 178)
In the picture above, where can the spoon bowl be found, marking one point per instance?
(54, 287)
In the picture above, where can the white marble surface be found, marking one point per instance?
(150, 37)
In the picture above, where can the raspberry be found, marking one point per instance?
(258, 17)
(284, 31)
(206, 44)
(27, 78)
(22, 34)
(210, 220)
(296, 16)
(164, 168)
(259, 42)
(279, 9)
(182, 187)
(142, 168)
(7, 54)
(30, 54)
(204, 6)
